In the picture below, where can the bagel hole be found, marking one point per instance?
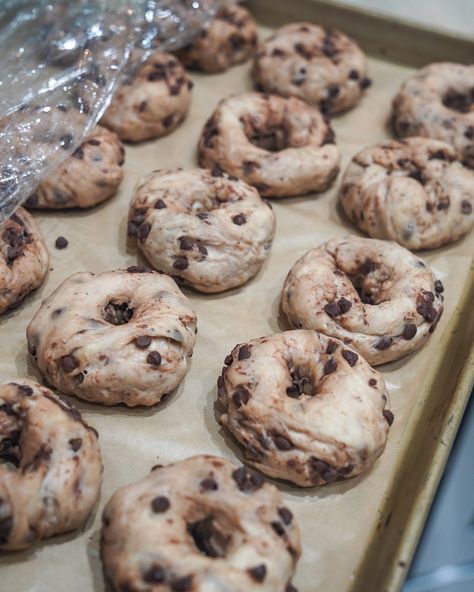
(462, 102)
(302, 383)
(271, 138)
(118, 313)
(208, 537)
(370, 281)
(10, 451)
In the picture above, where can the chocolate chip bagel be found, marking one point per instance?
(438, 102)
(115, 337)
(88, 177)
(282, 147)
(305, 407)
(24, 258)
(324, 67)
(51, 469)
(413, 191)
(230, 39)
(151, 103)
(374, 295)
(209, 230)
(197, 525)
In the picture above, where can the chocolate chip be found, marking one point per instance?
(427, 311)
(138, 269)
(258, 572)
(247, 480)
(278, 528)
(332, 309)
(383, 343)
(168, 121)
(132, 229)
(154, 574)
(209, 484)
(409, 331)
(143, 341)
(438, 286)
(466, 207)
(61, 242)
(285, 515)
(350, 357)
(93, 142)
(68, 363)
(75, 444)
(354, 75)
(78, 153)
(228, 360)
(25, 390)
(372, 382)
(159, 204)
(469, 133)
(330, 366)
(329, 138)
(282, 443)
(154, 358)
(241, 396)
(182, 584)
(333, 91)
(244, 352)
(239, 219)
(160, 504)
(331, 347)
(144, 230)
(365, 83)
(388, 416)
(186, 243)
(6, 526)
(180, 263)
(221, 386)
(291, 588)
(156, 74)
(344, 305)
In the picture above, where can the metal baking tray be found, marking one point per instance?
(358, 535)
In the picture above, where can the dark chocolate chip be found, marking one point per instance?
(372, 382)
(258, 572)
(278, 528)
(61, 242)
(354, 75)
(331, 347)
(466, 207)
(285, 515)
(138, 269)
(6, 526)
(241, 396)
(143, 341)
(182, 584)
(409, 331)
(25, 390)
(282, 443)
(469, 133)
(332, 309)
(365, 83)
(329, 138)
(75, 443)
(344, 305)
(93, 142)
(160, 204)
(388, 416)
(168, 121)
(186, 243)
(244, 352)
(383, 343)
(209, 484)
(144, 230)
(350, 357)
(154, 574)
(438, 286)
(427, 311)
(160, 504)
(330, 366)
(78, 153)
(180, 263)
(154, 358)
(291, 588)
(68, 363)
(239, 219)
(228, 360)
(247, 480)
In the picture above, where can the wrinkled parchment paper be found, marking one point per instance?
(335, 520)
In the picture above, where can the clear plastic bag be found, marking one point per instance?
(61, 61)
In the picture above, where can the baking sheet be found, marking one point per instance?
(336, 520)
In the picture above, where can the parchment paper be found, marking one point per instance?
(335, 520)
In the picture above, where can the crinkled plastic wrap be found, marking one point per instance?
(60, 63)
